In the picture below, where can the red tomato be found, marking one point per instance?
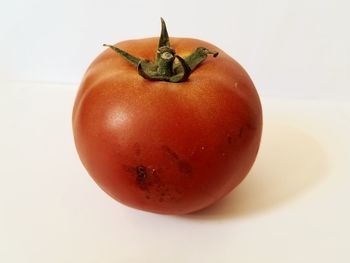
(166, 146)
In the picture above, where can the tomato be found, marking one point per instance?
(175, 139)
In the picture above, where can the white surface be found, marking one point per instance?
(293, 206)
(291, 48)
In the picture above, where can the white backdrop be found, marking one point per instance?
(297, 49)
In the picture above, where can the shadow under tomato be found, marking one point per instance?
(290, 163)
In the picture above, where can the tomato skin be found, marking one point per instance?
(170, 148)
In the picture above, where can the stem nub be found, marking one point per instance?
(167, 65)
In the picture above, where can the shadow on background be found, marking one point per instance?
(290, 163)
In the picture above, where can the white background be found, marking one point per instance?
(293, 206)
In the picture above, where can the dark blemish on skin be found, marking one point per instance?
(141, 176)
(147, 179)
(167, 193)
(170, 152)
(240, 134)
(182, 165)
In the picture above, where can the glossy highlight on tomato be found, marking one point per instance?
(171, 136)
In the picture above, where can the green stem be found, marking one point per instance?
(164, 36)
(198, 56)
(166, 67)
(165, 60)
(133, 60)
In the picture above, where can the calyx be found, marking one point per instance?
(167, 65)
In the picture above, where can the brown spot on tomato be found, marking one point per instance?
(148, 179)
(183, 166)
(145, 176)
(171, 153)
(142, 177)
